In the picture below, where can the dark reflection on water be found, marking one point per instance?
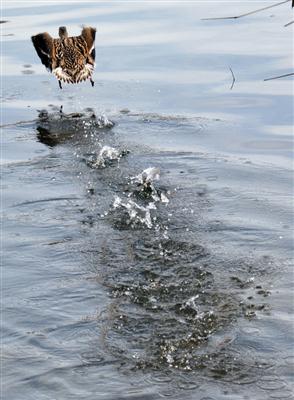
(57, 128)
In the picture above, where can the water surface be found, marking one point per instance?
(174, 282)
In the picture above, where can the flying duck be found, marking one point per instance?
(70, 59)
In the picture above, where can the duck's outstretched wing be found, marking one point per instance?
(89, 34)
(43, 44)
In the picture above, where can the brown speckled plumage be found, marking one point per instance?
(70, 59)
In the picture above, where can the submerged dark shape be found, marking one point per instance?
(70, 59)
(58, 127)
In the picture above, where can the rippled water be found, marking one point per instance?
(147, 223)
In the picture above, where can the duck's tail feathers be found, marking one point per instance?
(61, 75)
(85, 73)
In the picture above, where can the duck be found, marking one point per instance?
(70, 59)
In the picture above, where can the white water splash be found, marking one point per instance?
(147, 179)
(110, 153)
(136, 212)
(192, 302)
(104, 122)
(148, 176)
(164, 198)
(107, 153)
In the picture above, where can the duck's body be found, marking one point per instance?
(70, 59)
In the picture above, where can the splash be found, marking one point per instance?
(136, 212)
(146, 181)
(105, 156)
(147, 176)
(58, 127)
(104, 122)
(138, 209)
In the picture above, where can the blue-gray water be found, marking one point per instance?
(180, 287)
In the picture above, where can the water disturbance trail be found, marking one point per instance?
(174, 302)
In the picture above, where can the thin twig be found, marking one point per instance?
(234, 79)
(249, 13)
(289, 23)
(278, 77)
